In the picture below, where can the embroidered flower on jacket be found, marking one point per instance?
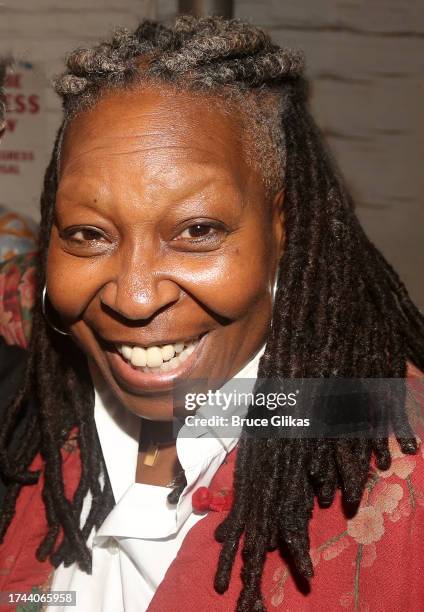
(386, 497)
(402, 465)
(366, 526)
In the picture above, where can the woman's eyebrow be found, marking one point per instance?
(100, 212)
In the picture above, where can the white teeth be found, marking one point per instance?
(167, 352)
(183, 355)
(154, 357)
(138, 356)
(189, 349)
(126, 352)
(166, 366)
(170, 365)
(157, 358)
(186, 352)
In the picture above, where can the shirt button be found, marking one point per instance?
(113, 546)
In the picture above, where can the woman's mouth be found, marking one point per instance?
(162, 358)
(154, 367)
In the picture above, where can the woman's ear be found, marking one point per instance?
(278, 221)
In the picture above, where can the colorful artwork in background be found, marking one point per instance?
(24, 144)
(17, 296)
(18, 234)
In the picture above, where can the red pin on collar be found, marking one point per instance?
(203, 499)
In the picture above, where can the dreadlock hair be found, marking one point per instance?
(340, 310)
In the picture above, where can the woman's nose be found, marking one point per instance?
(138, 290)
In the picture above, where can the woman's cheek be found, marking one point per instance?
(70, 285)
(228, 286)
(83, 337)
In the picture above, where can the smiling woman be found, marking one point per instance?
(195, 228)
(159, 225)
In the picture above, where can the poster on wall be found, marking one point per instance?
(23, 148)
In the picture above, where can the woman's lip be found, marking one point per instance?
(138, 381)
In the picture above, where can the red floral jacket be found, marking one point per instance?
(371, 562)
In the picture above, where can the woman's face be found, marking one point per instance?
(163, 239)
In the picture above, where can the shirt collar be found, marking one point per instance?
(118, 430)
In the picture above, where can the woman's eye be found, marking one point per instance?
(83, 237)
(199, 230)
(201, 236)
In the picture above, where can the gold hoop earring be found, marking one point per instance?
(44, 311)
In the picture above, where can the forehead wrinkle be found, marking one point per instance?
(221, 143)
(162, 132)
(74, 165)
(160, 135)
(218, 160)
(221, 153)
(190, 185)
(114, 153)
(165, 132)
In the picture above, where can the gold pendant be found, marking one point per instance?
(151, 455)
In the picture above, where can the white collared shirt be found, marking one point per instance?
(141, 536)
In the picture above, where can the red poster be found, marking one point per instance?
(23, 148)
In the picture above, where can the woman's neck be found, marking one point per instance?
(157, 462)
